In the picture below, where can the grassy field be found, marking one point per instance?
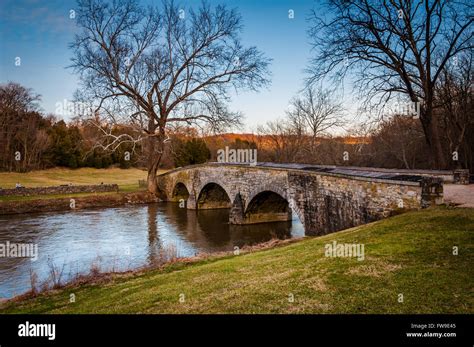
(409, 254)
(56, 176)
(127, 179)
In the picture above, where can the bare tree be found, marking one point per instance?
(454, 99)
(19, 127)
(282, 139)
(153, 66)
(315, 112)
(398, 138)
(393, 47)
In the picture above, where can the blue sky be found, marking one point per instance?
(39, 32)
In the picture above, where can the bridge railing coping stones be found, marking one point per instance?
(313, 173)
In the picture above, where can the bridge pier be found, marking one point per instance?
(236, 214)
(191, 203)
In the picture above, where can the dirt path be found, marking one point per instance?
(461, 195)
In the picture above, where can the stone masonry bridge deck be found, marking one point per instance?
(325, 199)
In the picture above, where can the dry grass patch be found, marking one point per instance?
(377, 269)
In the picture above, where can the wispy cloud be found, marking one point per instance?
(36, 17)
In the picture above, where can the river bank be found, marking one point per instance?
(74, 202)
(71, 244)
(61, 189)
(167, 261)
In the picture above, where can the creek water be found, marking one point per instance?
(118, 239)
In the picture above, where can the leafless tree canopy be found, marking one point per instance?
(454, 102)
(16, 97)
(393, 47)
(164, 64)
(315, 112)
(22, 139)
(285, 140)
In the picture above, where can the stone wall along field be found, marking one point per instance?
(63, 189)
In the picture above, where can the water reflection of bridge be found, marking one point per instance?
(208, 229)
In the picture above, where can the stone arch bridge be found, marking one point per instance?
(325, 199)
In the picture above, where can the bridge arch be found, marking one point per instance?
(284, 193)
(267, 206)
(180, 191)
(212, 196)
(263, 188)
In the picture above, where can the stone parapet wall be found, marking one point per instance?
(461, 176)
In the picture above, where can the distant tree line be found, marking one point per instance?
(396, 142)
(30, 140)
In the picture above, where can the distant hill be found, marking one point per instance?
(231, 137)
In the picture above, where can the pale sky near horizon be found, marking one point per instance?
(39, 32)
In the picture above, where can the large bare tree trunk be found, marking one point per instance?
(151, 179)
(155, 150)
(152, 156)
(434, 140)
(437, 147)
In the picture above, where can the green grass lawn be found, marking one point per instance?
(409, 254)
